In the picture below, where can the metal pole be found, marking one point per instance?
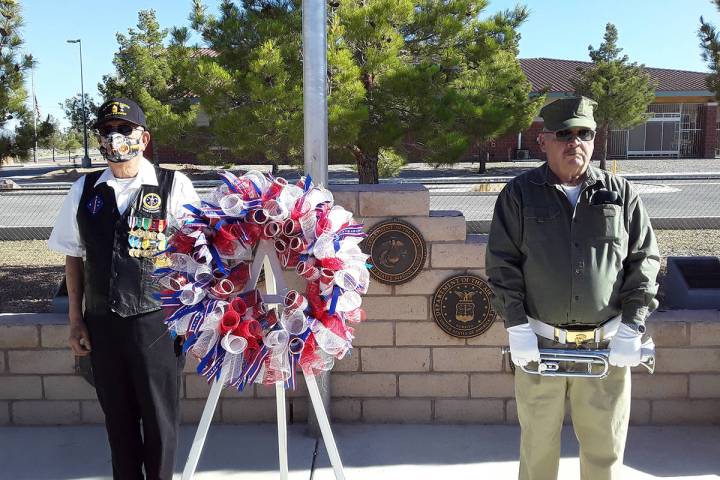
(314, 19)
(314, 24)
(35, 109)
(86, 159)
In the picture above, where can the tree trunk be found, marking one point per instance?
(482, 158)
(606, 134)
(367, 166)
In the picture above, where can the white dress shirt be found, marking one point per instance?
(65, 236)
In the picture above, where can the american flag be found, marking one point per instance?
(36, 106)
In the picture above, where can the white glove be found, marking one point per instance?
(625, 347)
(523, 345)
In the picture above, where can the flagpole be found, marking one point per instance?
(314, 29)
(35, 109)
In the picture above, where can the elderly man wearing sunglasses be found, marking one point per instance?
(572, 259)
(112, 228)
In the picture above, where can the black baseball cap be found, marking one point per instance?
(120, 109)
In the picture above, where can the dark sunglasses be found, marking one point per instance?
(584, 134)
(123, 129)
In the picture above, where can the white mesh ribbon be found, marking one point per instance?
(259, 179)
(324, 246)
(338, 217)
(329, 342)
(232, 204)
(289, 196)
(348, 301)
(277, 211)
(183, 263)
(279, 362)
(191, 294)
(294, 321)
(207, 338)
(233, 344)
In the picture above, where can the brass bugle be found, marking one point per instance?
(596, 362)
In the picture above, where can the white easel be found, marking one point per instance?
(266, 257)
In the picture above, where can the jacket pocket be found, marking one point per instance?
(605, 221)
(540, 223)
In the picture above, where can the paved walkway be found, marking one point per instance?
(377, 452)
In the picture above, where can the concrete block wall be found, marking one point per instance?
(403, 369)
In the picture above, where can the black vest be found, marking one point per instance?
(115, 280)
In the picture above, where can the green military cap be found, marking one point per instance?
(575, 112)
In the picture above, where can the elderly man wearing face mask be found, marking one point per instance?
(111, 227)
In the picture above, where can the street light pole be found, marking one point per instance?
(86, 159)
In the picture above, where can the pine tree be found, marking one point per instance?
(149, 72)
(12, 65)
(622, 89)
(710, 45)
(431, 76)
(72, 107)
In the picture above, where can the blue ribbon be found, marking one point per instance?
(333, 302)
(189, 342)
(217, 260)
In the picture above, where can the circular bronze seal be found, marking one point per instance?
(461, 306)
(397, 252)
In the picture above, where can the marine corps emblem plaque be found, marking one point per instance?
(397, 252)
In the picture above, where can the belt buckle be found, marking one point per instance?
(578, 337)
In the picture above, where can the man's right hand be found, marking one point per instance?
(79, 338)
(523, 345)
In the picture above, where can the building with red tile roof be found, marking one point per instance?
(682, 121)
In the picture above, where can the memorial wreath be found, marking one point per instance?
(211, 299)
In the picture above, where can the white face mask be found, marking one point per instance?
(118, 148)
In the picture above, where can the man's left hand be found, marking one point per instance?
(625, 347)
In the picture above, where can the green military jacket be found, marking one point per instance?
(571, 266)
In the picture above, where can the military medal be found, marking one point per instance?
(146, 223)
(161, 262)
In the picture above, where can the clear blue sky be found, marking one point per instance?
(658, 33)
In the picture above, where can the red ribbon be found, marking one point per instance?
(331, 263)
(239, 276)
(229, 322)
(182, 243)
(225, 239)
(238, 306)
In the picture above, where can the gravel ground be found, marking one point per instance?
(29, 276)
(30, 273)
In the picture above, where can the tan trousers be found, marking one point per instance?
(600, 410)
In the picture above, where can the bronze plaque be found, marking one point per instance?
(397, 252)
(461, 306)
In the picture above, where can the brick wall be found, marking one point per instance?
(403, 369)
(709, 135)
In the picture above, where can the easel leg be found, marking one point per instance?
(282, 429)
(325, 429)
(204, 426)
